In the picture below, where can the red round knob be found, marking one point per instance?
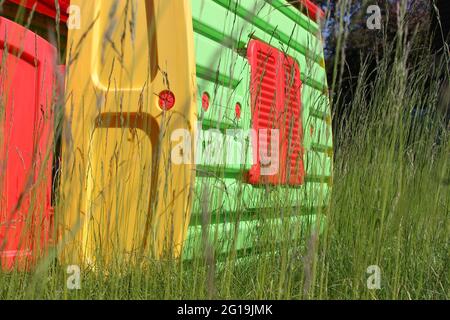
(205, 101)
(238, 111)
(166, 100)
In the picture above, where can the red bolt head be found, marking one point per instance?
(166, 100)
(205, 101)
(238, 110)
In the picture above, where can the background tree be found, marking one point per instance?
(350, 44)
(441, 22)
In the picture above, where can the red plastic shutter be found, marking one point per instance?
(276, 104)
(26, 90)
(46, 7)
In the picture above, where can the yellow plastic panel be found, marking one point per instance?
(122, 195)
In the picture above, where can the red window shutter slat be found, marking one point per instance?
(276, 104)
(293, 130)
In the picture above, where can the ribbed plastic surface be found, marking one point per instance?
(276, 113)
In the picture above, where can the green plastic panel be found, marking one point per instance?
(231, 210)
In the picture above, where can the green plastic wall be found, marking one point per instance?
(226, 210)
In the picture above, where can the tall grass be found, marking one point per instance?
(390, 208)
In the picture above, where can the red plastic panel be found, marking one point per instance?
(314, 11)
(276, 104)
(26, 90)
(46, 7)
